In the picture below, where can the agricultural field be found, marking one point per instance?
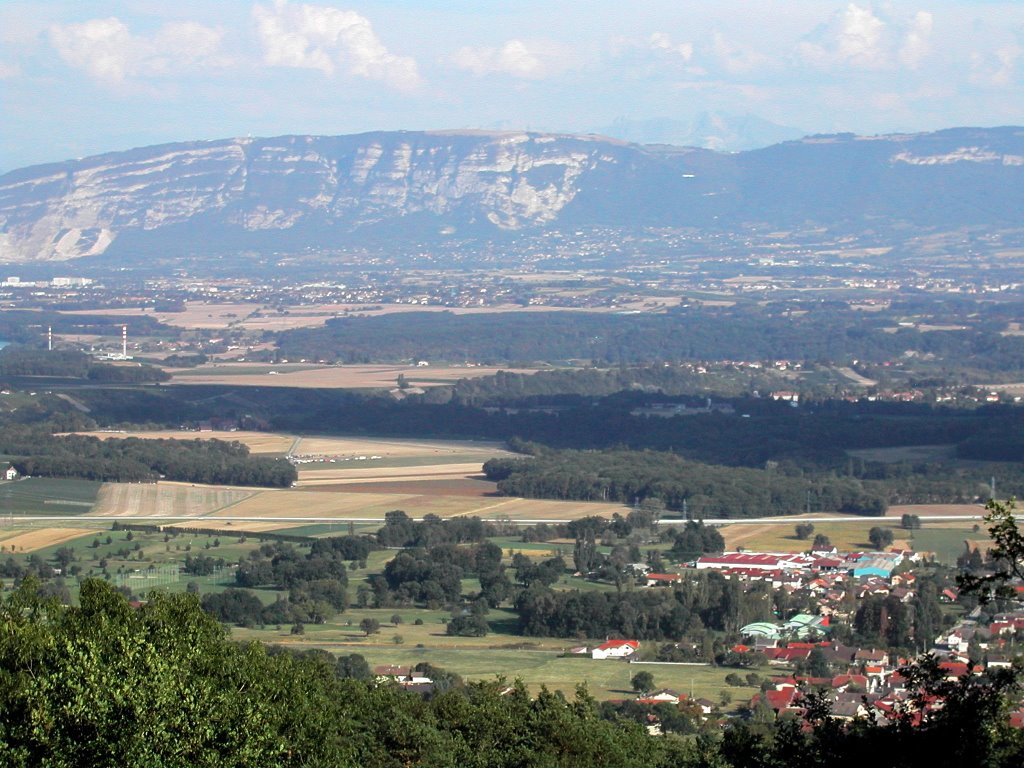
(28, 540)
(47, 496)
(196, 315)
(359, 474)
(536, 661)
(944, 538)
(166, 499)
(329, 377)
(395, 452)
(350, 478)
(946, 542)
(851, 535)
(367, 505)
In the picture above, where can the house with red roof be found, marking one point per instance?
(662, 579)
(615, 649)
(842, 683)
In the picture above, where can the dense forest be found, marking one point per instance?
(104, 684)
(824, 331)
(707, 490)
(749, 431)
(36, 451)
(703, 490)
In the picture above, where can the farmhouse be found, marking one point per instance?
(615, 649)
(662, 579)
(10, 473)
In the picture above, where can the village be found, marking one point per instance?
(855, 681)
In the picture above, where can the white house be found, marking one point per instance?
(615, 649)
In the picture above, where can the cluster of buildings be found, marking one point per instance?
(817, 571)
(869, 682)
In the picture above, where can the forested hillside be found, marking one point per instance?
(105, 685)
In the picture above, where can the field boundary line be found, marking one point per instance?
(234, 503)
(485, 508)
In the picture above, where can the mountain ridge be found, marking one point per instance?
(320, 191)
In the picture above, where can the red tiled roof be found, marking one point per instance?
(608, 645)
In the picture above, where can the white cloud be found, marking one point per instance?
(997, 69)
(109, 52)
(737, 58)
(8, 71)
(916, 44)
(326, 39)
(529, 60)
(661, 42)
(862, 38)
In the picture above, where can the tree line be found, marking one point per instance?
(825, 332)
(703, 490)
(35, 451)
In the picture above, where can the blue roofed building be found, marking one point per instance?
(880, 564)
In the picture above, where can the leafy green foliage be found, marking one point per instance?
(1007, 554)
(106, 685)
(880, 537)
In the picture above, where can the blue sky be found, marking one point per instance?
(88, 76)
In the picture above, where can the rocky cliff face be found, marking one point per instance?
(510, 181)
(315, 191)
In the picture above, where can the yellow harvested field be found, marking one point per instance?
(765, 537)
(359, 474)
(327, 504)
(196, 314)
(30, 541)
(257, 442)
(388, 448)
(163, 498)
(330, 377)
(316, 504)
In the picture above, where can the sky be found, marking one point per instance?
(80, 77)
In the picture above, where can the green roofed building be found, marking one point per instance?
(801, 627)
(761, 629)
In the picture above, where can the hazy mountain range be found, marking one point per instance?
(270, 194)
(709, 130)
